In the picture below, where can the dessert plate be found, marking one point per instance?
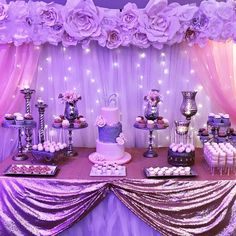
(31, 170)
(165, 174)
(97, 159)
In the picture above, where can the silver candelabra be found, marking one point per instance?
(41, 128)
(28, 132)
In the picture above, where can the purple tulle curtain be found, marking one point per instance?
(215, 68)
(17, 68)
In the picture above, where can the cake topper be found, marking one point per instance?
(112, 100)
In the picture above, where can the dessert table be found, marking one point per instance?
(203, 205)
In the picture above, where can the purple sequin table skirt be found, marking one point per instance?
(200, 206)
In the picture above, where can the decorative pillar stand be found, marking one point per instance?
(151, 152)
(70, 151)
(28, 132)
(41, 109)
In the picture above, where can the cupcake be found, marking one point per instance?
(233, 136)
(204, 136)
(140, 122)
(77, 123)
(200, 131)
(166, 122)
(225, 119)
(150, 124)
(82, 121)
(9, 119)
(217, 119)
(28, 119)
(65, 124)
(57, 122)
(211, 117)
(19, 119)
(160, 123)
(222, 137)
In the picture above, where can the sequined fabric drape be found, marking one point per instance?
(47, 207)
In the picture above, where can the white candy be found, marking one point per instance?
(181, 149)
(35, 147)
(188, 150)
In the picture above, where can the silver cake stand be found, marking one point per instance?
(151, 152)
(70, 152)
(20, 156)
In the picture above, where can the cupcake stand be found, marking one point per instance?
(20, 156)
(150, 151)
(70, 152)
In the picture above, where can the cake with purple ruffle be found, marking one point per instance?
(110, 145)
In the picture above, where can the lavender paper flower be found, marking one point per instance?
(160, 27)
(49, 16)
(129, 16)
(225, 11)
(68, 40)
(200, 21)
(114, 39)
(83, 21)
(228, 30)
(215, 27)
(3, 11)
(208, 8)
(140, 39)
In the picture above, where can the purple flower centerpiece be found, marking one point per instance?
(152, 110)
(71, 111)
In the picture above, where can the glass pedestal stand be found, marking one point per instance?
(20, 156)
(151, 152)
(70, 152)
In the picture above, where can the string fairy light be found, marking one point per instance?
(142, 55)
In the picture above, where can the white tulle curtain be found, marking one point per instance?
(97, 72)
(130, 72)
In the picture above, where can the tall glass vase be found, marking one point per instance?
(151, 112)
(71, 111)
(188, 107)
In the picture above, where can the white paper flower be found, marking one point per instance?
(100, 121)
(120, 140)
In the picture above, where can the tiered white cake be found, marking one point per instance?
(110, 145)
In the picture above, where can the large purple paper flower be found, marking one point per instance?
(3, 11)
(49, 16)
(208, 8)
(68, 40)
(225, 11)
(215, 27)
(228, 30)
(140, 39)
(83, 21)
(161, 27)
(200, 21)
(186, 12)
(129, 16)
(114, 39)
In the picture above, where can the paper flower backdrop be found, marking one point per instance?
(80, 21)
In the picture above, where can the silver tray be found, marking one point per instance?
(122, 172)
(31, 170)
(149, 175)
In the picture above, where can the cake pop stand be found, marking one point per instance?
(20, 156)
(150, 150)
(70, 152)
